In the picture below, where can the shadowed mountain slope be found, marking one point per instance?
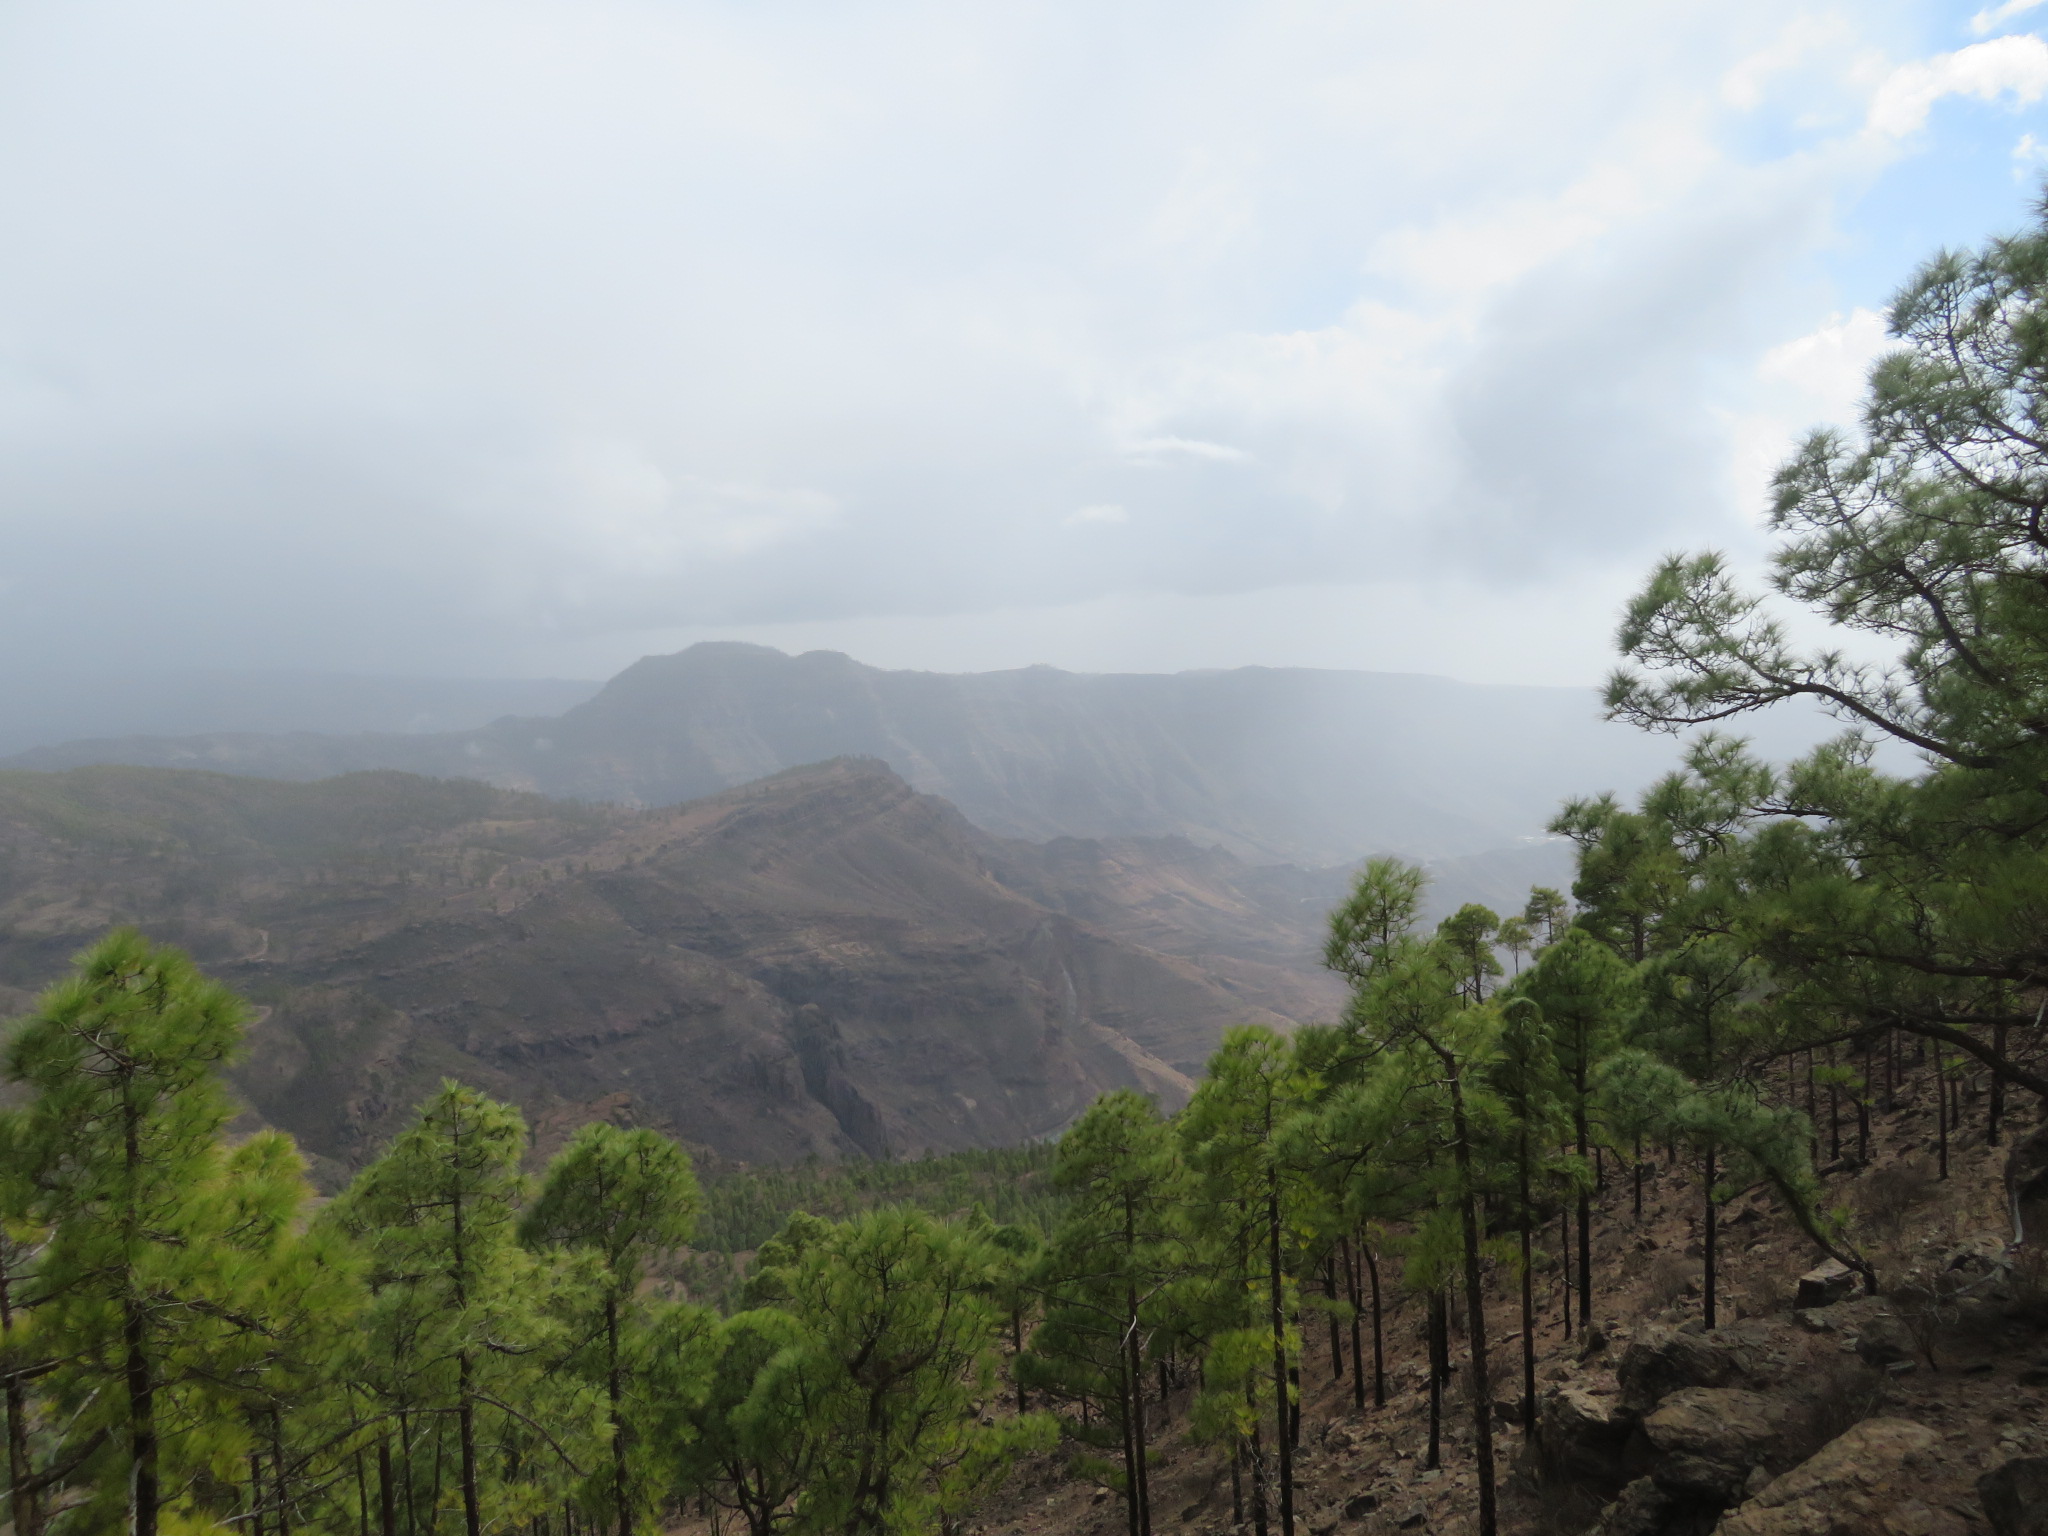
(1295, 765)
(822, 962)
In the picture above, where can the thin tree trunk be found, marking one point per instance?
(1336, 1339)
(1940, 1113)
(143, 1492)
(615, 1397)
(1260, 1502)
(1276, 1311)
(256, 1521)
(1017, 1355)
(1564, 1266)
(1237, 1480)
(1129, 1426)
(1834, 1110)
(1475, 1309)
(1357, 1327)
(1585, 1225)
(1711, 1239)
(387, 1503)
(23, 1506)
(362, 1498)
(1529, 1292)
(278, 1478)
(1995, 1109)
(1379, 1348)
(1438, 1348)
(1137, 1373)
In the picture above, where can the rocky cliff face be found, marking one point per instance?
(824, 962)
(1299, 765)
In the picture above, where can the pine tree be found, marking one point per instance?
(623, 1197)
(1114, 1252)
(1232, 1130)
(1587, 999)
(129, 1193)
(462, 1322)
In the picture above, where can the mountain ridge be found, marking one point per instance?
(1300, 765)
(821, 963)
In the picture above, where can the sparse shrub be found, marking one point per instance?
(1670, 1277)
(1926, 1299)
(1838, 1394)
(1766, 1296)
(2028, 1281)
(1885, 1196)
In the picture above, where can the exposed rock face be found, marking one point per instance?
(1643, 1509)
(1707, 1440)
(1580, 1438)
(1862, 1483)
(826, 962)
(2015, 1496)
(2026, 1186)
(1663, 1360)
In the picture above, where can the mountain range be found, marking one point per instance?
(1272, 764)
(824, 962)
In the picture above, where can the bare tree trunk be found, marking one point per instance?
(1475, 1309)
(1357, 1327)
(1711, 1237)
(1276, 1311)
(144, 1493)
(1379, 1349)
(1529, 1291)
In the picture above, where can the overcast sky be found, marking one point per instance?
(528, 336)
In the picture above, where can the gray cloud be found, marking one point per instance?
(453, 335)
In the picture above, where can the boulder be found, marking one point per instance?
(1982, 1253)
(2015, 1495)
(1865, 1482)
(1640, 1511)
(1579, 1438)
(1884, 1341)
(2026, 1187)
(1707, 1441)
(1661, 1361)
(1826, 1284)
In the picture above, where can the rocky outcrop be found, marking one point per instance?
(1706, 1441)
(1754, 1352)
(1862, 1483)
(2026, 1187)
(2015, 1495)
(1580, 1438)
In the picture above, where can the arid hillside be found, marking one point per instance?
(1920, 1411)
(821, 963)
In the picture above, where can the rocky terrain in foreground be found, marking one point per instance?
(1922, 1411)
(821, 963)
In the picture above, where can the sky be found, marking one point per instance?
(526, 337)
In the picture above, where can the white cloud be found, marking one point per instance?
(1814, 380)
(2016, 65)
(1156, 447)
(1104, 512)
(1991, 18)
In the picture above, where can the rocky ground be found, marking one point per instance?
(1869, 1416)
